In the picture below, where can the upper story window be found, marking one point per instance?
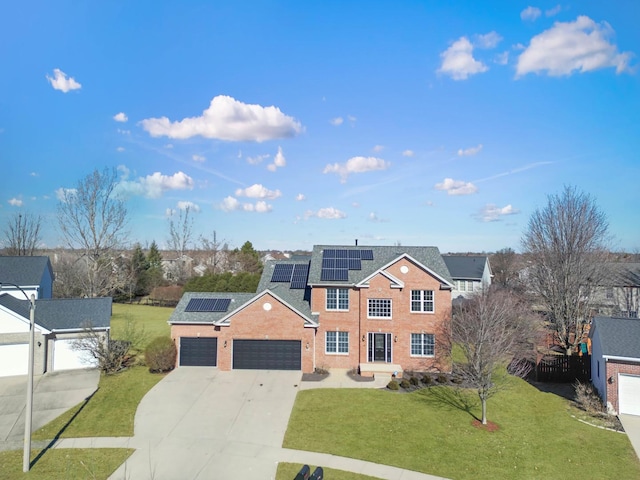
(422, 301)
(337, 299)
(379, 308)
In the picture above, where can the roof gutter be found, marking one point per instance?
(621, 359)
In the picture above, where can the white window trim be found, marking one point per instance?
(337, 352)
(433, 294)
(337, 309)
(422, 355)
(390, 308)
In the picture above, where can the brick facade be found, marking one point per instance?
(614, 368)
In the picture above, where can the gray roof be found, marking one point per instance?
(298, 298)
(465, 267)
(619, 337)
(56, 314)
(623, 274)
(24, 271)
(429, 257)
(179, 315)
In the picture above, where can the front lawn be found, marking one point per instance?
(287, 471)
(153, 320)
(72, 464)
(431, 431)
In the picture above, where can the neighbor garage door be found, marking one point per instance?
(629, 394)
(14, 359)
(267, 354)
(66, 356)
(198, 351)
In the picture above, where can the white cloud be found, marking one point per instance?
(120, 117)
(258, 191)
(169, 146)
(257, 159)
(408, 153)
(15, 202)
(488, 40)
(228, 119)
(552, 12)
(582, 45)
(123, 132)
(63, 194)
(469, 151)
(356, 165)
(458, 61)
(198, 158)
(153, 186)
(193, 207)
(60, 81)
(378, 148)
(328, 213)
(492, 213)
(373, 217)
(300, 197)
(530, 13)
(230, 204)
(502, 58)
(336, 121)
(351, 118)
(456, 187)
(279, 161)
(120, 149)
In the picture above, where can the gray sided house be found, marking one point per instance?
(615, 363)
(470, 273)
(619, 295)
(33, 274)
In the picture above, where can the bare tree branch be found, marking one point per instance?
(22, 234)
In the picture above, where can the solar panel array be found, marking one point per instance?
(293, 273)
(208, 305)
(336, 263)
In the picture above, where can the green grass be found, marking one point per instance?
(63, 464)
(287, 471)
(431, 431)
(109, 413)
(153, 320)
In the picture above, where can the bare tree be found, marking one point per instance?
(22, 234)
(92, 219)
(565, 244)
(493, 329)
(505, 266)
(180, 233)
(212, 248)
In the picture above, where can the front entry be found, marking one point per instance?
(379, 347)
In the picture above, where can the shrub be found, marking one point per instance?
(587, 398)
(414, 381)
(456, 379)
(426, 379)
(321, 371)
(160, 355)
(442, 378)
(393, 385)
(406, 384)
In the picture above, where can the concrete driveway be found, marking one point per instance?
(200, 423)
(631, 425)
(53, 394)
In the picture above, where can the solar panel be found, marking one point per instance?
(334, 274)
(342, 274)
(355, 264)
(342, 253)
(342, 263)
(366, 254)
(354, 254)
(299, 277)
(282, 272)
(328, 263)
(208, 305)
(329, 253)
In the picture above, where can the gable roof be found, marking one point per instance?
(383, 256)
(60, 314)
(24, 271)
(466, 267)
(623, 274)
(618, 337)
(180, 315)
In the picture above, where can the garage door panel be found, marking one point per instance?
(267, 354)
(66, 356)
(629, 394)
(198, 351)
(14, 359)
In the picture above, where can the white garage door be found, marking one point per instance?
(65, 357)
(14, 359)
(629, 394)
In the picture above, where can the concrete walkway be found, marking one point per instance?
(631, 425)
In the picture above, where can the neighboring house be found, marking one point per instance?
(33, 274)
(58, 322)
(620, 294)
(615, 363)
(373, 309)
(470, 273)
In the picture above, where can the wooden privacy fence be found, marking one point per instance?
(564, 368)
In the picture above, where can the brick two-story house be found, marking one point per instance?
(375, 309)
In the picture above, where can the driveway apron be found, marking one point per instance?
(200, 423)
(631, 425)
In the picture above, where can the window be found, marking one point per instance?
(337, 342)
(461, 285)
(379, 308)
(422, 301)
(423, 344)
(609, 293)
(337, 299)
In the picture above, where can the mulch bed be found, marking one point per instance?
(489, 427)
(359, 378)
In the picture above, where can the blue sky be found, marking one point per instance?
(290, 124)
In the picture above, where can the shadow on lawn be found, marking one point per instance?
(64, 427)
(457, 398)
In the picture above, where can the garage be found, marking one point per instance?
(198, 351)
(267, 354)
(14, 359)
(67, 357)
(629, 394)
